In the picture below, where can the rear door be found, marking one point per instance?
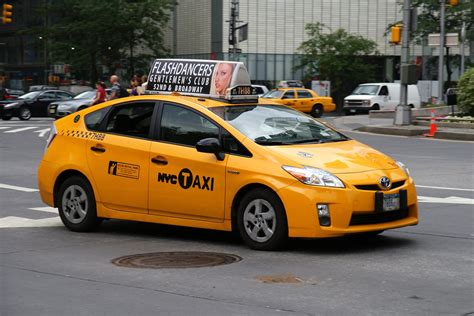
(119, 162)
(305, 100)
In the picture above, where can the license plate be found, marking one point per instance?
(52, 111)
(352, 110)
(391, 202)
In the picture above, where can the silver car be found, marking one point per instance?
(79, 102)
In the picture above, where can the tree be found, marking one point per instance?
(338, 57)
(428, 22)
(466, 92)
(90, 33)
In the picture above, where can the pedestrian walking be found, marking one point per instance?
(117, 90)
(100, 94)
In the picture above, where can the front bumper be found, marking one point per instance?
(352, 210)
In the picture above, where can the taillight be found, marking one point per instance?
(9, 97)
(52, 135)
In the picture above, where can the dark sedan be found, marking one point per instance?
(32, 104)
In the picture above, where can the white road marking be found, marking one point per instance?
(20, 129)
(447, 200)
(42, 132)
(443, 188)
(45, 209)
(4, 127)
(14, 187)
(20, 222)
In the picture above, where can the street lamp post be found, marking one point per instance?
(441, 53)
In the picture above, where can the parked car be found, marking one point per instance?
(379, 96)
(10, 94)
(304, 100)
(260, 89)
(81, 101)
(32, 104)
(42, 87)
(290, 84)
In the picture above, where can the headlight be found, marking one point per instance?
(314, 176)
(346, 102)
(366, 102)
(403, 167)
(63, 107)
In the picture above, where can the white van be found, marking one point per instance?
(379, 96)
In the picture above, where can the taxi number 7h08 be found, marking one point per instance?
(219, 158)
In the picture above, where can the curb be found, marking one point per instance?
(415, 132)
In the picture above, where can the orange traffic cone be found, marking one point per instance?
(433, 126)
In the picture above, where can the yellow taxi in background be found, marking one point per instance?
(227, 162)
(304, 100)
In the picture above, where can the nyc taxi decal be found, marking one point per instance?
(187, 180)
(83, 134)
(125, 170)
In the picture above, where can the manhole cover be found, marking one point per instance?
(174, 260)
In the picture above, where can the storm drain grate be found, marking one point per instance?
(175, 260)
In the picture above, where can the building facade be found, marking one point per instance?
(276, 29)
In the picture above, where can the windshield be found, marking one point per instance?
(277, 125)
(30, 95)
(366, 90)
(273, 94)
(86, 95)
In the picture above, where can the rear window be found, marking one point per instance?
(94, 119)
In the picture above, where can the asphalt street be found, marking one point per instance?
(421, 270)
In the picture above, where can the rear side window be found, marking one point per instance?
(303, 94)
(289, 95)
(94, 119)
(131, 119)
(184, 126)
(63, 96)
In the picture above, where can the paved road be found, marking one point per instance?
(422, 270)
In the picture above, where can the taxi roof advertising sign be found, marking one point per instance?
(208, 78)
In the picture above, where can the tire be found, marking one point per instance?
(375, 107)
(261, 220)
(25, 114)
(317, 110)
(77, 206)
(6, 118)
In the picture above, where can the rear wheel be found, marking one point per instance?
(77, 206)
(317, 110)
(261, 220)
(6, 118)
(25, 113)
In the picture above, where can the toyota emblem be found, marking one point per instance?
(385, 183)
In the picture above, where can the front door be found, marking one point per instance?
(186, 183)
(39, 107)
(120, 162)
(289, 99)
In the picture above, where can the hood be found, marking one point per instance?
(76, 102)
(359, 97)
(337, 158)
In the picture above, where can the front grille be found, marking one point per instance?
(353, 102)
(375, 187)
(377, 218)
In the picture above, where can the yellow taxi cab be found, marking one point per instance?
(191, 156)
(304, 100)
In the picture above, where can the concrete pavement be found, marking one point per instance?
(364, 123)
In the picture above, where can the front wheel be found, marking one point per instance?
(6, 118)
(261, 220)
(25, 113)
(77, 206)
(317, 110)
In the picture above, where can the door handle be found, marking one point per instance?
(98, 149)
(159, 160)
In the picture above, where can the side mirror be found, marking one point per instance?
(212, 146)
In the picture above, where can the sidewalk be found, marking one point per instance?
(385, 126)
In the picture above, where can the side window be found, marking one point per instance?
(131, 119)
(289, 95)
(47, 96)
(303, 94)
(63, 96)
(183, 126)
(259, 90)
(383, 90)
(232, 145)
(94, 119)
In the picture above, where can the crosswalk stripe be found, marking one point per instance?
(14, 187)
(20, 129)
(42, 132)
(45, 209)
(4, 127)
(20, 222)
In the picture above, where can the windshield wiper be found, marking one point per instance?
(271, 142)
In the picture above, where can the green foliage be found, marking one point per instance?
(465, 96)
(428, 18)
(88, 33)
(338, 57)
